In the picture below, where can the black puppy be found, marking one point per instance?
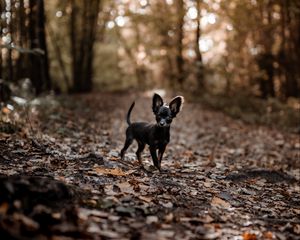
(157, 136)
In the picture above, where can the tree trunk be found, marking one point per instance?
(10, 76)
(58, 53)
(292, 48)
(92, 16)
(266, 59)
(39, 69)
(21, 70)
(179, 41)
(82, 43)
(41, 36)
(198, 60)
(2, 10)
(269, 55)
(34, 61)
(73, 44)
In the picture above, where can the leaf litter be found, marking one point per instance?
(222, 179)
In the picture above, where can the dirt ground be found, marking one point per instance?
(61, 176)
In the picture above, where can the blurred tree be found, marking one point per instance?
(267, 38)
(265, 59)
(2, 10)
(242, 45)
(163, 30)
(23, 43)
(39, 71)
(9, 63)
(83, 26)
(59, 56)
(180, 12)
(198, 59)
(289, 52)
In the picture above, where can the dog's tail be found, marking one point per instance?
(129, 112)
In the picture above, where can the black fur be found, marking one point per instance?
(157, 136)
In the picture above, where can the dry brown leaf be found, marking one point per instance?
(93, 228)
(207, 219)
(169, 217)
(207, 184)
(185, 219)
(297, 229)
(135, 184)
(110, 234)
(151, 219)
(146, 199)
(249, 236)
(220, 202)
(83, 212)
(3, 208)
(125, 187)
(268, 235)
(112, 171)
(109, 190)
(295, 210)
(5, 110)
(28, 222)
(177, 165)
(165, 234)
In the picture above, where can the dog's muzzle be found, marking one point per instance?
(162, 123)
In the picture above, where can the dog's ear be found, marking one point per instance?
(157, 102)
(176, 105)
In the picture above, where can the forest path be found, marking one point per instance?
(222, 180)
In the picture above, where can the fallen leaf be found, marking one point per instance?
(110, 234)
(28, 222)
(249, 236)
(146, 199)
(3, 208)
(151, 219)
(110, 190)
(112, 171)
(177, 165)
(164, 234)
(169, 217)
(167, 204)
(268, 235)
(207, 184)
(93, 228)
(220, 203)
(135, 184)
(297, 229)
(85, 213)
(5, 110)
(207, 219)
(125, 210)
(125, 187)
(114, 218)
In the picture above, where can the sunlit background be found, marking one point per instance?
(192, 45)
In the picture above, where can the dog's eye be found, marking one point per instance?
(168, 120)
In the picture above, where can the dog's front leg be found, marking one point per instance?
(161, 151)
(154, 157)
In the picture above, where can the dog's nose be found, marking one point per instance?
(162, 123)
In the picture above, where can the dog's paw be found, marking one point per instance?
(164, 171)
(150, 168)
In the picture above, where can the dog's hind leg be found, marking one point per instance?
(128, 142)
(140, 149)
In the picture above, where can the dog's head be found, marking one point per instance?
(164, 113)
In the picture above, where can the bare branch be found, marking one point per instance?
(35, 51)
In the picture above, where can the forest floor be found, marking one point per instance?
(61, 176)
